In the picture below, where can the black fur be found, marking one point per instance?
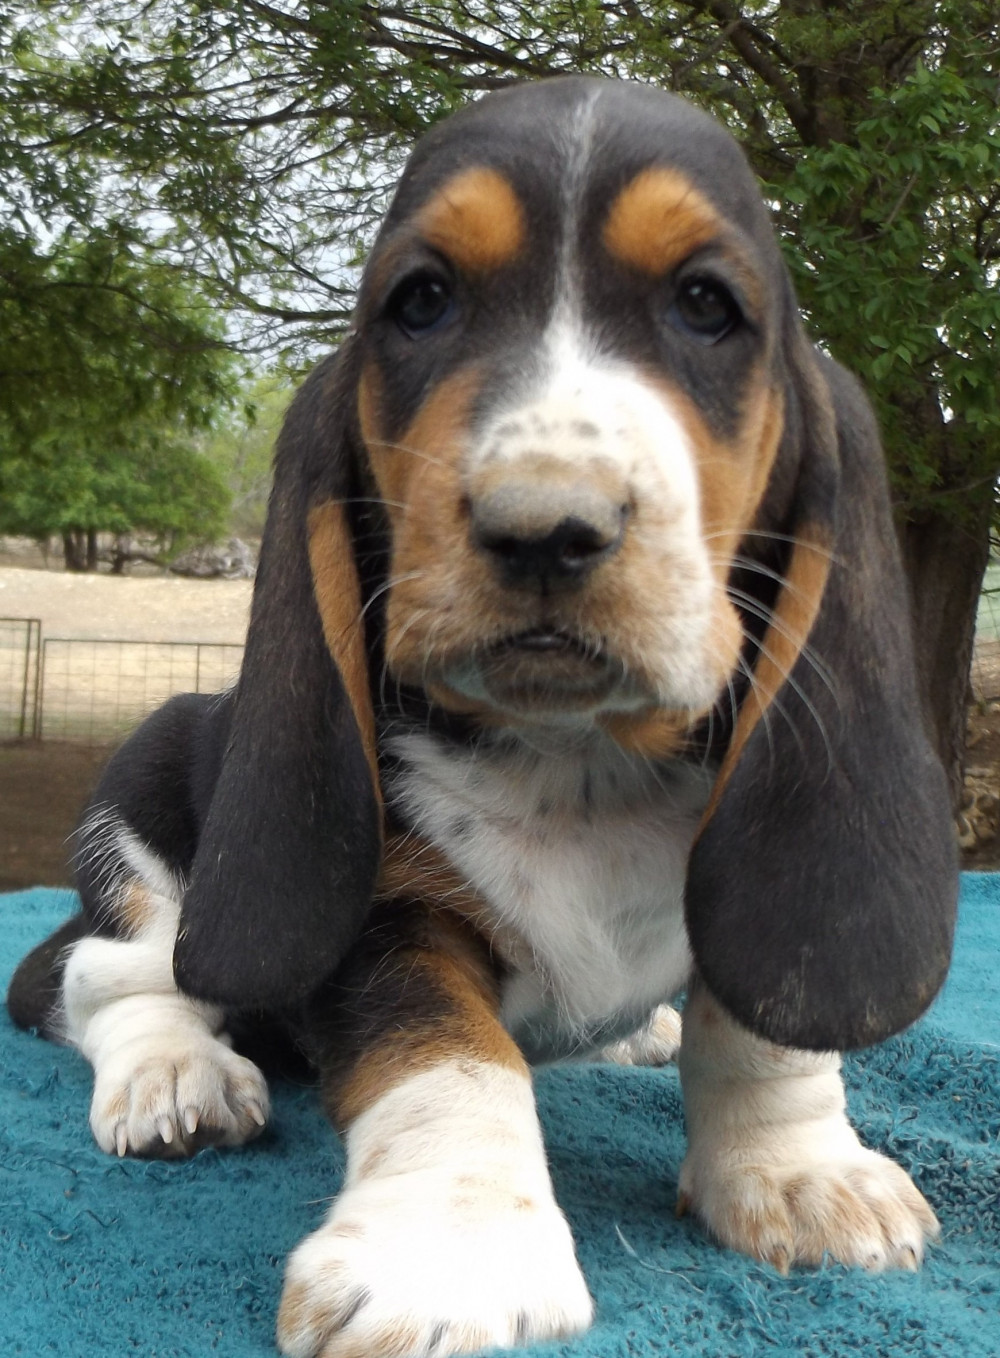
(286, 862)
(821, 894)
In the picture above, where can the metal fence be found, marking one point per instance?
(20, 639)
(95, 692)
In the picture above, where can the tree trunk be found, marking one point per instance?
(945, 563)
(74, 549)
(121, 550)
(91, 550)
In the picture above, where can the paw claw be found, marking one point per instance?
(156, 1096)
(864, 1212)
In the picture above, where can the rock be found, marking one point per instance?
(233, 560)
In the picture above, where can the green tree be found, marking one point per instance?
(109, 368)
(240, 450)
(82, 481)
(266, 135)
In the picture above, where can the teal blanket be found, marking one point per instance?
(102, 1257)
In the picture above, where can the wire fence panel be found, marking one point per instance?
(95, 692)
(19, 659)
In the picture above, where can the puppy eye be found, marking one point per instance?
(705, 309)
(420, 304)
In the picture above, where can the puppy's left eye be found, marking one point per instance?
(421, 303)
(705, 309)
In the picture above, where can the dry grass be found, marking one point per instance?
(107, 607)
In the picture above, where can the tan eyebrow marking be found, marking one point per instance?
(475, 219)
(658, 219)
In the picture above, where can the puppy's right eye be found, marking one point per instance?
(421, 303)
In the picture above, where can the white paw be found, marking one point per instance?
(862, 1210)
(654, 1044)
(160, 1096)
(432, 1263)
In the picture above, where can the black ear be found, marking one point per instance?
(287, 858)
(822, 888)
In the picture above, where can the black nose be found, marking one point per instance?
(540, 540)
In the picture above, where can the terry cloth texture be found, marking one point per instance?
(104, 1257)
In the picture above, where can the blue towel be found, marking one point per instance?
(104, 1257)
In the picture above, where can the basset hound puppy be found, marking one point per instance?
(579, 673)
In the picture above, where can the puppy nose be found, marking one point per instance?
(542, 536)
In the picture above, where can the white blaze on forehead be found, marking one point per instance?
(592, 410)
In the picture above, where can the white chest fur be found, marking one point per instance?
(579, 852)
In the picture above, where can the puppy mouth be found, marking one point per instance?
(548, 669)
(546, 641)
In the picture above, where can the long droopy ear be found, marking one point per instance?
(822, 887)
(289, 852)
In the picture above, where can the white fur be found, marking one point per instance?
(643, 439)
(117, 858)
(165, 1078)
(577, 850)
(774, 1168)
(446, 1237)
(656, 1043)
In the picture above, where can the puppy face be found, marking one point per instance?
(569, 404)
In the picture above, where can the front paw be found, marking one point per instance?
(862, 1210)
(169, 1095)
(426, 1263)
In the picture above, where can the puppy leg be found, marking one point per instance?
(446, 1237)
(774, 1168)
(165, 1078)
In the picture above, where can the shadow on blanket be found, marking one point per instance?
(105, 1257)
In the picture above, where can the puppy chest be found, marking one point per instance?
(579, 859)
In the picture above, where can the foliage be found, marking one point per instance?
(90, 326)
(110, 361)
(107, 368)
(82, 480)
(240, 450)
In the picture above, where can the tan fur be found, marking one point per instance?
(475, 220)
(415, 869)
(135, 909)
(658, 220)
(454, 966)
(338, 597)
(418, 476)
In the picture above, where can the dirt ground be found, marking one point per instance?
(44, 785)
